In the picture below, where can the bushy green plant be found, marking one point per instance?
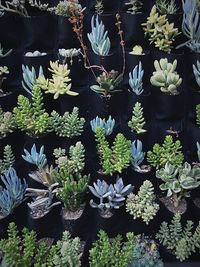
(8, 159)
(7, 123)
(23, 250)
(166, 77)
(60, 83)
(30, 116)
(69, 125)
(160, 31)
(183, 241)
(178, 182)
(115, 158)
(168, 7)
(137, 121)
(168, 152)
(143, 204)
(113, 253)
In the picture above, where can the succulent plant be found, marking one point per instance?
(30, 78)
(134, 6)
(168, 7)
(99, 7)
(7, 123)
(37, 158)
(67, 8)
(107, 126)
(137, 155)
(98, 38)
(160, 31)
(198, 114)
(108, 83)
(3, 72)
(110, 196)
(137, 122)
(2, 54)
(198, 150)
(60, 83)
(166, 77)
(137, 50)
(35, 53)
(135, 79)
(196, 71)
(69, 53)
(8, 159)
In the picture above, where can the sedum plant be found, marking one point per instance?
(21, 249)
(143, 204)
(98, 38)
(145, 253)
(166, 77)
(137, 122)
(60, 83)
(110, 196)
(181, 240)
(178, 182)
(167, 7)
(3, 73)
(8, 159)
(115, 252)
(135, 79)
(7, 123)
(169, 152)
(115, 158)
(30, 116)
(107, 126)
(69, 125)
(134, 6)
(108, 83)
(159, 31)
(198, 114)
(4, 54)
(13, 192)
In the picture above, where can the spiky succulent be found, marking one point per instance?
(135, 79)
(107, 126)
(137, 155)
(37, 158)
(168, 7)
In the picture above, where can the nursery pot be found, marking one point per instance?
(40, 32)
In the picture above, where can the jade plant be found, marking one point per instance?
(135, 79)
(168, 7)
(13, 192)
(178, 182)
(22, 249)
(178, 239)
(106, 125)
(134, 6)
(165, 76)
(110, 197)
(168, 152)
(30, 116)
(143, 204)
(98, 38)
(137, 122)
(7, 123)
(159, 31)
(4, 54)
(69, 125)
(60, 82)
(3, 75)
(111, 252)
(145, 253)
(115, 158)
(8, 159)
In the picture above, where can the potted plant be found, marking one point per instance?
(110, 197)
(169, 99)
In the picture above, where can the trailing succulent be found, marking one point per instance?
(169, 152)
(178, 182)
(135, 79)
(115, 252)
(60, 83)
(13, 192)
(110, 196)
(143, 204)
(107, 126)
(115, 158)
(182, 241)
(30, 116)
(166, 77)
(69, 125)
(7, 123)
(98, 38)
(160, 31)
(108, 83)
(137, 122)
(8, 159)
(134, 6)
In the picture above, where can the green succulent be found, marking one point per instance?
(99, 7)
(3, 72)
(166, 77)
(137, 50)
(137, 122)
(168, 7)
(7, 123)
(160, 31)
(169, 152)
(134, 6)
(8, 159)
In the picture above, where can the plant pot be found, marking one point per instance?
(78, 73)
(132, 29)
(133, 60)
(108, 6)
(11, 31)
(40, 32)
(169, 107)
